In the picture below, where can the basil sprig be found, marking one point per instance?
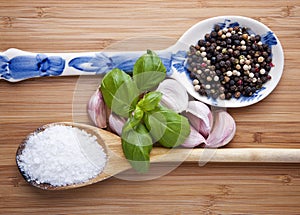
(148, 121)
(148, 71)
(167, 127)
(120, 93)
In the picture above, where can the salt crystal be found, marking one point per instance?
(62, 155)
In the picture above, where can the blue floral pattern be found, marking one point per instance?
(101, 63)
(27, 66)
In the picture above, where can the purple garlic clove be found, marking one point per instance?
(194, 139)
(97, 109)
(175, 96)
(116, 123)
(223, 130)
(200, 117)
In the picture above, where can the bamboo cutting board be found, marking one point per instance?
(216, 188)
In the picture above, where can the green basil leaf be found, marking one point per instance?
(150, 101)
(119, 91)
(137, 145)
(148, 71)
(135, 118)
(167, 127)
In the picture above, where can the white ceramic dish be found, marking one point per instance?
(200, 29)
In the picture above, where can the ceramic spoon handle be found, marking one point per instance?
(17, 65)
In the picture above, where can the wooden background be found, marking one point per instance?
(77, 25)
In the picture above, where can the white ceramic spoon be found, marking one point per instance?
(117, 163)
(17, 65)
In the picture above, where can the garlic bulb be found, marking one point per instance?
(200, 117)
(194, 139)
(223, 130)
(175, 96)
(97, 110)
(116, 123)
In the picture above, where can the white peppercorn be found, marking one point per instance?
(251, 75)
(195, 81)
(245, 67)
(216, 78)
(262, 71)
(229, 73)
(203, 54)
(208, 78)
(197, 87)
(260, 59)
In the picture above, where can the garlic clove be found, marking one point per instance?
(97, 109)
(223, 130)
(175, 96)
(116, 123)
(194, 139)
(200, 117)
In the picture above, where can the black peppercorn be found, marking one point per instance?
(201, 43)
(268, 68)
(236, 42)
(254, 47)
(207, 37)
(247, 90)
(223, 44)
(213, 60)
(234, 37)
(228, 41)
(231, 82)
(228, 95)
(268, 60)
(228, 63)
(257, 38)
(219, 57)
(213, 34)
(236, 53)
(216, 28)
(222, 63)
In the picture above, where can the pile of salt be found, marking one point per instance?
(62, 155)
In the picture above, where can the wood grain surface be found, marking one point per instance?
(220, 188)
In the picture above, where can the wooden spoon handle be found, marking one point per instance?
(265, 155)
(268, 155)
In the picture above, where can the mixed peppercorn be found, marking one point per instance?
(229, 62)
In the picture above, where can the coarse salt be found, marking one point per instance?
(61, 155)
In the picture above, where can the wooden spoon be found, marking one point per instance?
(117, 163)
